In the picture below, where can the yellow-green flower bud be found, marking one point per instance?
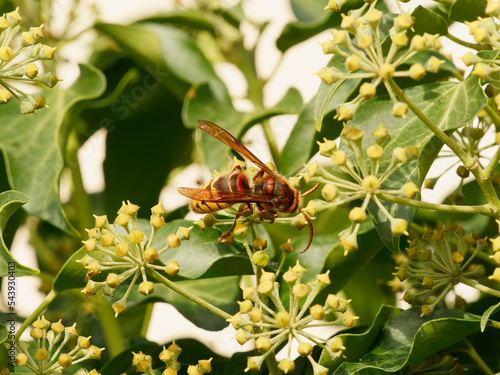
(286, 366)
(417, 72)
(345, 112)
(247, 292)
(255, 315)
(283, 319)
(357, 215)
(173, 240)
(241, 337)
(329, 192)
(417, 43)
(265, 287)
(28, 38)
(254, 363)
(118, 308)
(426, 255)
(432, 41)
(245, 306)
(337, 344)
(3, 22)
(399, 227)
(427, 282)
(412, 152)
(410, 190)
(121, 249)
(41, 354)
(496, 257)
(5, 96)
(324, 278)
(349, 319)
(57, 327)
(107, 239)
(433, 65)
(157, 221)
(481, 70)
(387, 71)
(349, 23)
(364, 38)
(400, 110)
(260, 258)
(327, 46)
(21, 360)
(113, 280)
(326, 148)
(136, 236)
(36, 333)
(400, 39)
(373, 17)
(300, 290)
(399, 155)
(31, 70)
(404, 21)
(93, 267)
(239, 228)
(227, 239)
(492, 8)
(333, 301)
(481, 35)
(150, 254)
(65, 360)
(146, 288)
(367, 91)
(348, 245)
(305, 349)
(84, 342)
(290, 276)
(48, 52)
(172, 268)
(457, 257)
(340, 37)
(352, 63)
(327, 75)
(6, 53)
(262, 344)
(426, 310)
(375, 151)
(122, 219)
(371, 184)
(89, 244)
(338, 158)
(317, 312)
(381, 134)
(205, 365)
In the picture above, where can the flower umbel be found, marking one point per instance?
(19, 54)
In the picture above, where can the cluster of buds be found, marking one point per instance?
(359, 42)
(436, 261)
(368, 180)
(270, 329)
(124, 247)
(50, 342)
(496, 255)
(169, 356)
(18, 60)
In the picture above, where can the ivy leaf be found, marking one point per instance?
(408, 338)
(10, 201)
(486, 315)
(449, 105)
(31, 146)
(426, 20)
(467, 10)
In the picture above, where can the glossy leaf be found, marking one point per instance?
(202, 254)
(31, 146)
(467, 10)
(486, 316)
(308, 10)
(426, 20)
(449, 105)
(10, 201)
(408, 338)
(358, 344)
(4, 333)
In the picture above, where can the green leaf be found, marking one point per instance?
(4, 333)
(467, 10)
(203, 104)
(358, 344)
(202, 254)
(181, 18)
(222, 292)
(408, 338)
(10, 201)
(308, 10)
(426, 20)
(330, 96)
(486, 316)
(449, 105)
(31, 146)
(72, 274)
(169, 54)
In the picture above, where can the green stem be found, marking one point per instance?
(158, 276)
(492, 113)
(271, 141)
(490, 168)
(110, 326)
(272, 365)
(484, 209)
(466, 159)
(472, 353)
(480, 287)
(34, 315)
(474, 46)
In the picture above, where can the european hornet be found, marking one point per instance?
(271, 192)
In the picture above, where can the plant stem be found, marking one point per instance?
(34, 315)
(111, 328)
(472, 353)
(272, 365)
(490, 168)
(484, 209)
(158, 276)
(474, 46)
(271, 140)
(480, 287)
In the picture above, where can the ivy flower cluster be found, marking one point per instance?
(361, 181)
(169, 356)
(359, 42)
(19, 53)
(126, 249)
(436, 261)
(270, 329)
(52, 355)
